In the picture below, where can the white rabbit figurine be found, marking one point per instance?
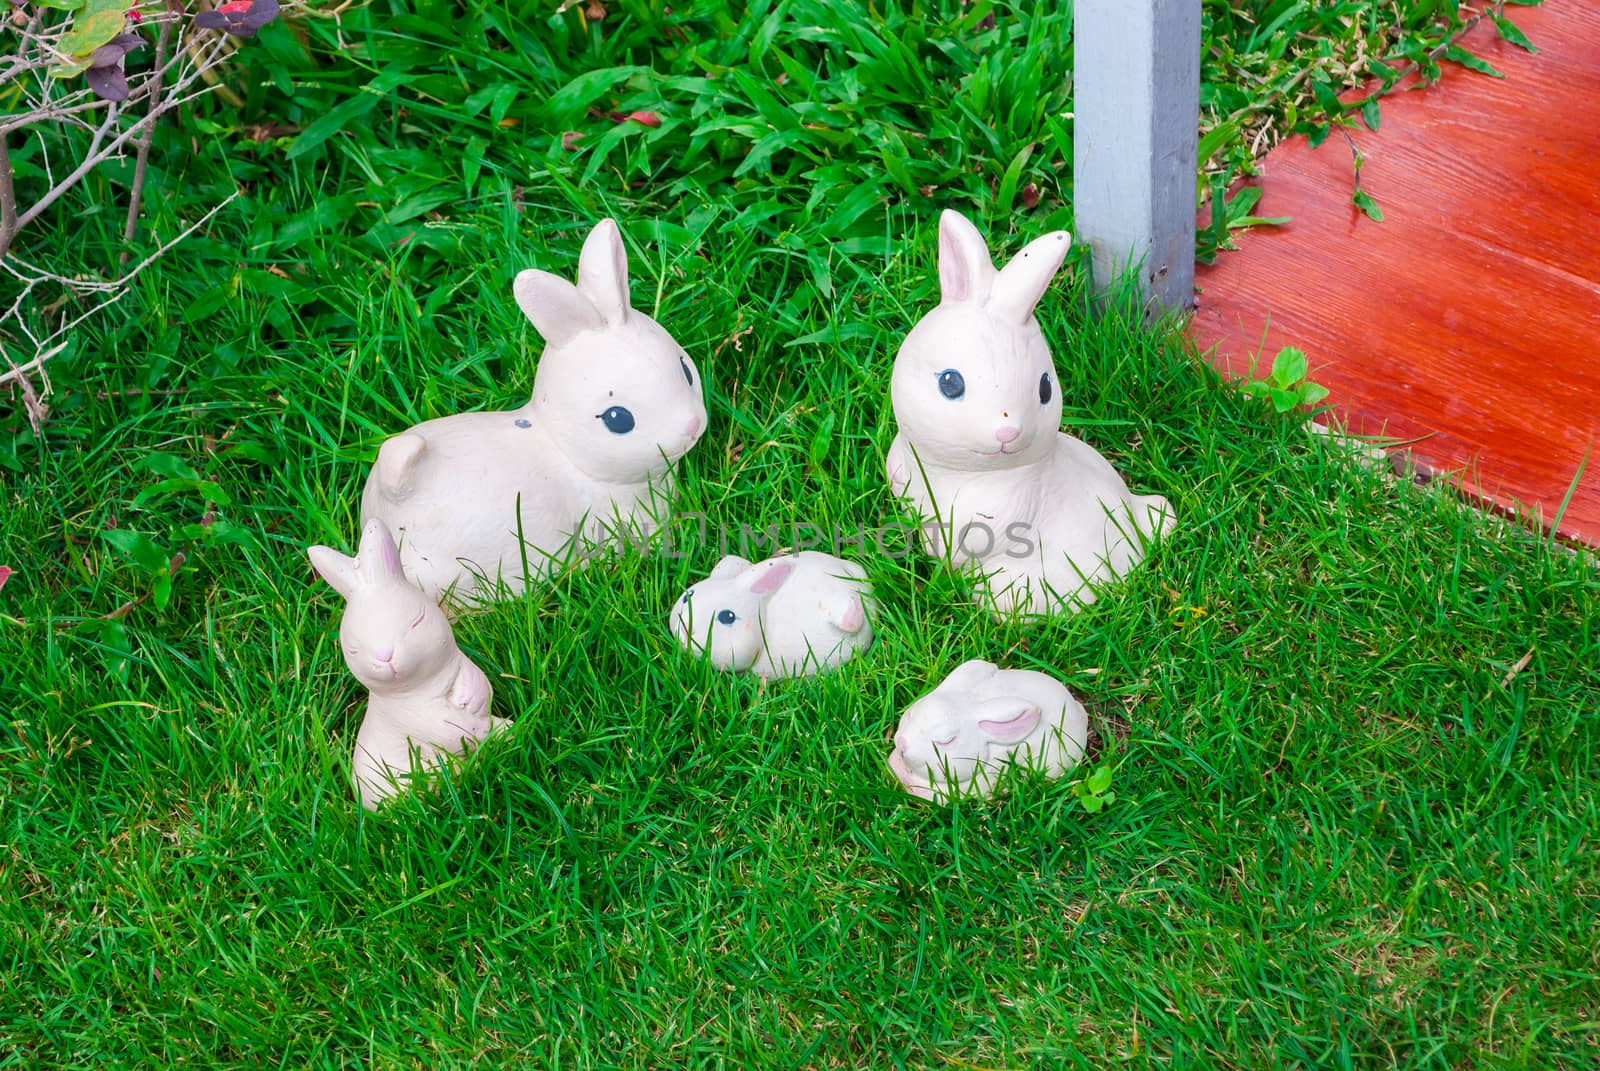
(958, 738)
(615, 403)
(424, 695)
(789, 616)
(980, 455)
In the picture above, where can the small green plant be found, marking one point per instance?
(1227, 216)
(1094, 792)
(1286, 385)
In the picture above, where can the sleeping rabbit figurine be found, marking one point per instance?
(424, 695)
(615, 403)
(980, 455)
(788, 616)
(958, 738)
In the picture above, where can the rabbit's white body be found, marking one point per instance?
(979, 455)
(1004, 525)
(791, 615)
(959, 738)
(616, 402)
(458, 519)
(426, 700)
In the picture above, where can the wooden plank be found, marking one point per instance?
(1136, 117)
(1468, 320)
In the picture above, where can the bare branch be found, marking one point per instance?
(91, 159)
(118, 289)
(8, 198)
(20, 371)
(97, 154)
(136, 196)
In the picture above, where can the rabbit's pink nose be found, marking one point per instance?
(1006, 433)
(900, 741)
(692, 428)
(383, 654)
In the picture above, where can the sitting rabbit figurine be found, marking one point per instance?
(424, 695)
(788, 616)
(958, 738)
(616, 401)
(979, 454)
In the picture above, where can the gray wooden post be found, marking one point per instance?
(1135, 135)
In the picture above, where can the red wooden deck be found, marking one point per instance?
(1467, 323)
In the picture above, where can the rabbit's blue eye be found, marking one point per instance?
(686, 596)
(951, 385)
(617, 420)
(687, 375)
(727, 617)
(1044, 389)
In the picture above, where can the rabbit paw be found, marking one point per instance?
(470, 688)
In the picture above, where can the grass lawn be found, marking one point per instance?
(1351, 722)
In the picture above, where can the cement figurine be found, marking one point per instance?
(474, 497)
(956, 740)
(979, 453)
(789, 616)
(426, 700)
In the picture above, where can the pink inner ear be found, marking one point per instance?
(772, 579)
(1009, 732)
(388, 553)
(854, 617)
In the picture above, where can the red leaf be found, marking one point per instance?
(644, 118)
(5, 574)
(570, 139)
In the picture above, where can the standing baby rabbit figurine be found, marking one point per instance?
(980, 454)
(615, 403)
(788, 616)
(424, 695)
(958, 738)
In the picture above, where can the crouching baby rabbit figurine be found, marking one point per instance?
(958, 738)
(788, 616)
(424, 695)
(980, 455)
(615, 403)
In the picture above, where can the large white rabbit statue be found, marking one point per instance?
(425, 698)
(616, 401)
(788, 616)
(979, 453)
(958, 739)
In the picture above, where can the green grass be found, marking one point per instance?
(1348, 830)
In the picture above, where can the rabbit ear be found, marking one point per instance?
(847, 614)
(378, 559)
(969, 675)
(1023, 282)
(337, 569)
(965, 271)
(768, 577)
(1007, 721)
(603, 272)
(558, 310)
(731, 565)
